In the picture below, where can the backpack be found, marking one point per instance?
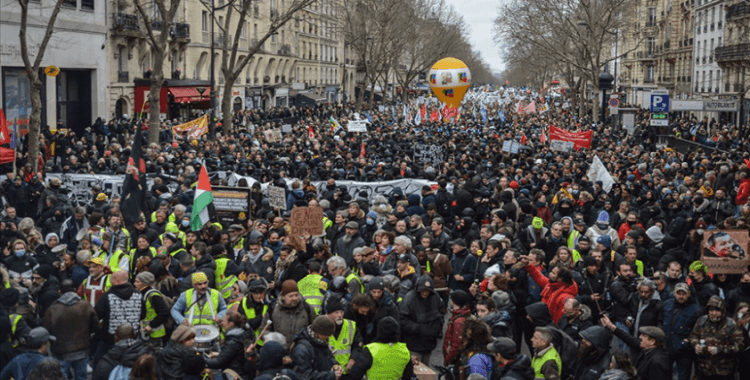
(443, 204)
(169, 323)
(283, 375)
(120, 372)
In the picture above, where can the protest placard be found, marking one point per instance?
(272, 135)
(357, 126)
(232, 204)
(286, 128)
(506, 146)
(277, 197)
(725, 251)
(561, 146)
(306, 220)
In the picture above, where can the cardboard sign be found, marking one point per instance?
(232, 204)
(273, 135)
(357, 126)
(286, 128)
(725, 251)
(428, 154)
(306, 220)
(277, 197)
(507, 145)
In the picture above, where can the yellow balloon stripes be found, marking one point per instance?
(449, 79)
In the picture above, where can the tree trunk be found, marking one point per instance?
(157, 79)
(361, 96)
(35, 119)
(226, 104)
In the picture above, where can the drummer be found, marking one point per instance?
(200, 305)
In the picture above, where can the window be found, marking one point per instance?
(243, 32)
(650, 73)
(70, 3)
(255, 31)
(651, 45)
(204, 21)
(87, 4)
(651, 16)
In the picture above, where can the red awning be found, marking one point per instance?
(185, 94)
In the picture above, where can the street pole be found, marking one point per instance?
(211, 93)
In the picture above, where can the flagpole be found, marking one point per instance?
(15, 144)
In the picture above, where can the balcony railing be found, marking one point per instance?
(738, 10)
(736, 52)
(123, 77)
(181, 30)
(648, 80)
(157, 25)
(125, 23)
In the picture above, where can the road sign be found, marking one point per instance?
(659, 101)
(614, 102)
(659, 119)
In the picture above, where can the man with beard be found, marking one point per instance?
(716, 340)
(337, 267)
(621, 291)
(345, 246)
(702, 287)
(583, 247)
(739, 294)
(290, 314)
(593, 353)
(680, 314)
(141, 228)
(646, 309)
(576, 318)
(652, 361)
(44, 287)
(347, 338)
(121, 235)
(556, 289)
(592, 285)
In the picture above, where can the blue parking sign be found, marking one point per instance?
(659, 101)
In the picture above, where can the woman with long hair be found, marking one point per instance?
(620, 368)
(563, 257)
(475, 358)
(144, 368)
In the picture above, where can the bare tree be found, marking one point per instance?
(158, 45)
(232, 63)
(32, 70)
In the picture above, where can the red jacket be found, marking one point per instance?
(452, 341)
(554, 294)
(625, 228)
(743, 192)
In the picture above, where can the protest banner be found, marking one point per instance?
(286, 128)
(514, 147)
(232, 204)
(192, 125)
(306, 220)
(357, 126)
(428, 154)
(579, 139)
(272, 135)
(725, 251)
(561, 146)
(277, 197)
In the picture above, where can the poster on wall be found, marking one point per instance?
(17, 97)
(725, 251)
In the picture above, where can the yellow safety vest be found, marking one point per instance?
(574, 234)
(250, 314)
(14, 319)
(206, 314)
(114, 260)
(342, 347)
(537, 363)
(224, 283)
(310, 288)
(388, 360)
(160, 331)
(180, 235)
(107, 283)
(352, 276)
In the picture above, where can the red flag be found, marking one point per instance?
(423, 111)
(362, 150)
(310, 132)
(434, 116)
(4, 133)
(523, 140)
(542, 138)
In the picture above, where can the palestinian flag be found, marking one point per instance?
(334, 124)
(202, 203)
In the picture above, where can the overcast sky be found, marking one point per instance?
(479, 16)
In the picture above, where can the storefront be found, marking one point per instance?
(177, 98)
(253, 97)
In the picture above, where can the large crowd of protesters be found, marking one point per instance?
(511, 266)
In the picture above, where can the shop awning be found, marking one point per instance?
(314, 97)
(185, 94)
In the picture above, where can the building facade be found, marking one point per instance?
(77, 95)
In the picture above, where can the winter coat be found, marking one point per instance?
(124, 352)
(312, 358)
(368, 324)
(289, 320)
(553, 294)
(725, 335)
(463, 263)
(651, 364)
(735, 296)
(421, 319)
(71, 320)
(743, 192)
(122, 310)
(48, 294)
(621, 292)
(518, 369)
(592, 366)
(452, 340)
(414, 207)
(232, 355)
(293, 197)
(346, 249)
(263, 266)
(572, 328)
(207, 265)
(652, 312)
(679, 320)
(176, 361)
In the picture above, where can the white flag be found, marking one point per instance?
(598, 172)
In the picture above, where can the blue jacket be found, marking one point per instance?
(293, 197)
(21, 365)
(677, 330)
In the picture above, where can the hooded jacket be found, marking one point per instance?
(554, 294)
(421, 318)
(177, 361)
(368, 324)
(651, 364)
(312, 358)
(232, 355)
(452, 340)
(518, 369)
(271, 362)
(574, 327)
(593, 365)
(124, 353)
(71, 320)
(288, 320)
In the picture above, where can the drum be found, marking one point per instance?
(206, 337)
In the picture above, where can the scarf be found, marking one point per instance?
(281, 265)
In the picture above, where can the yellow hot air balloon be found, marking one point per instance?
(449, 79)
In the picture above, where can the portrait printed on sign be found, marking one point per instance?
(725, 251)
(447, 78)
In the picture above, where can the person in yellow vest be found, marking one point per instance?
(546, 361)
(142, 252)
(385, 357)
(200, 305)
(337, 267)
(226, 270)
(114, 257)
(154, 312)
(347, 339)
(256, 305)
(631, 254)
(98, 282)
(313, 286)
(19, 328)
(163, 207)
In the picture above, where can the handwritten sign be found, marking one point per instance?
(725, 251)
(277, 197)
(561, 146)
(357, 126)
(273, 135)
(306, 220)
(428, 154)
(506, 146)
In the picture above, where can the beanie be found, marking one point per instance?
(589, 261)
(199, 277)
(146, 278)
(603, 217)
(604, 240)
(333, 305)
(537, 222)
(289, 286)
(460, 298)
(376, 283)
(322, 324)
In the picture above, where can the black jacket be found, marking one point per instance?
(518, 369)
(176, 362)
(49, 293)
(207, 265)
(123, 353)
(652, 364)
(368, 324)
(592, 366)
(621, 292)
(421, 319)
(312, 360)
(232, 355)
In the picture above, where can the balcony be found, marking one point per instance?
(712, 27)
(738, 11)
(181, 32)
(125, 25)
(157, 25)
(285, 49)
(736, 52)
(739, 87)
(703, 89)
(123, 77)
(648, 80)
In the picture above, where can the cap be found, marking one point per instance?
(323, 325)
(503, 346)
(579, 222)
(234, 227)
(653, 332)
(682, 287)
(584, 238)
(181, 333)
(97, 261)
(459, 242)
(403, 257)
(199, 277)
(353, 225)
(38, 336)
(101, 197)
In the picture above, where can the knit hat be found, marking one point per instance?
(604, 240)
(333, 305)
(589, 261)
(388, 330)
(289, 286)
(698, 266)
(322, 324)
(146, 278)
(513, 185)
(181, 333)
(199, 277)
(460, 298)
(376, 283)
(44, 271)
(537, 222)
(171, 237)
(372, 215)
(603, 217)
